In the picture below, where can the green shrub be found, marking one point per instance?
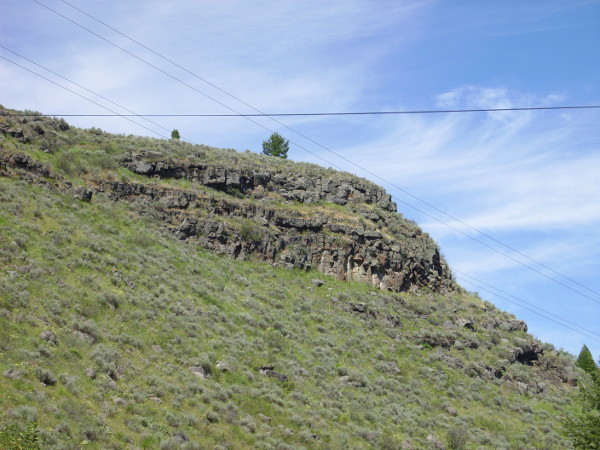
(14, 437)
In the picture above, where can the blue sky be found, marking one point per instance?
(528, 179)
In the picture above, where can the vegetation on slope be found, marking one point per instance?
(114, 334)
(583, 428)
(246, 206)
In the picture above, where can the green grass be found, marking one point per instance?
(192, 308)
(132, 309)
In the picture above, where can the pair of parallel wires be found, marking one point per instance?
(465, 278)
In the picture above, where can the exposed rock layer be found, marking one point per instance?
(381, 248)
(291, 186)
(387, 251)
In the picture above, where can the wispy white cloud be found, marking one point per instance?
(507, 170)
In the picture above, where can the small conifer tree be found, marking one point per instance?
(175, 134)
(586, 361)
(276, 145)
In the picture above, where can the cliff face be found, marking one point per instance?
(286, 214)
(367, 242)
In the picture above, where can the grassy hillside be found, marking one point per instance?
(114, 334)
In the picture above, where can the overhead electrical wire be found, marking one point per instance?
(263, 114)
(503, 292)
(80, 95)
(339, 113)
(530, 310)
(149, 63)
(133, 114)
(325, 148)
(340, 156)
(182, 82)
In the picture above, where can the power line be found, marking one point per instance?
(133, 114)
(82, 96)
(520, 300)
(347, 113)
(531, 310)
(148, 63)
(260, 113)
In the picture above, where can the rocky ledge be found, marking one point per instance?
(375, 245)
(258, 218)
(290, 185)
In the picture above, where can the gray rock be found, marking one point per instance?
(84, 194)
(407, 261)
(465, 323)
(223, 366)
(512, 325)
(527, 353)
(143, 168)
(358, 307)
(46, 377)
(198, 371)
(318, 283)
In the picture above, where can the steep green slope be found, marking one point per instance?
(115, 334)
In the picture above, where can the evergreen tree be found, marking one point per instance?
(276, 145)
(175, 134)
(586, 361)
(583, 428)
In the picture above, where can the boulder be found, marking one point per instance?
(198, 371)
(527, 353)
(223, 366)
(465, 323)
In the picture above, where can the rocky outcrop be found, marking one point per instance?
(367, 241)
(23, 162)
(20, 165)
(261, 231)
(290, 185)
